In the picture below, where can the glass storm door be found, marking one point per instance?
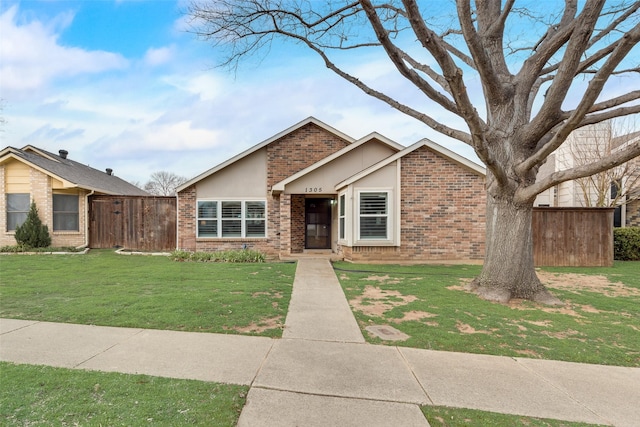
(318, 223)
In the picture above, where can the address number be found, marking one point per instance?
(313, 189)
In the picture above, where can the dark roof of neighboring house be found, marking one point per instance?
(72, 173)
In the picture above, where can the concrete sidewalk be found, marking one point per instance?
(318, 375)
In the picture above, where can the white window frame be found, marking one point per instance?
(342, 217)
(244, 218)
(390, 238)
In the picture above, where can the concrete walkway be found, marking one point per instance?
(322, 373)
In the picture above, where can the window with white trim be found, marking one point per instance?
(342, 216)
(231, 218)
(18, 205)
(66, 212)
(373, 215)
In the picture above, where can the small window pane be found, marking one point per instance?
(18, 202)
(255, 210)
(342, 228)
(373, 203)
(342, 208)
(207, 209)
(373, 228)
(231, 228)
(231, 209)
(207, 228)
(255, 228)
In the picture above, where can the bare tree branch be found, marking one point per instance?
(630, 152)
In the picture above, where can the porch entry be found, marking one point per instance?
(317, 223)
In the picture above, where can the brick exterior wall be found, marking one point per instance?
(186, 208)
(298, 223)
(633, 214)
(298, 150)
(442, 213)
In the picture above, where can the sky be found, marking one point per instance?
(121, 84)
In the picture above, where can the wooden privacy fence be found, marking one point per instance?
(580, 237)
(132, 222)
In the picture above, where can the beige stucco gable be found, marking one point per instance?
(245, 178)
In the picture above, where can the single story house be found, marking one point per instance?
(313, 188)
(59, 186)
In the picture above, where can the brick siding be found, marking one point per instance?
(633, 214)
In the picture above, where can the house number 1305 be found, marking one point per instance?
(313, 189)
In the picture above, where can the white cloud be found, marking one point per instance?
(32, 57)
(154, 57)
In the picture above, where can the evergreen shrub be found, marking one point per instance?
(32, 233)
(626, 244)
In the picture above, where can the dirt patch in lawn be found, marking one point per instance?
(468, 329)
(573, 282)
(261, 326)
(383, 279)
(582, 282)
(415, 315)
(375, 301)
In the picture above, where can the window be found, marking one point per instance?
(17, 210)
(232, 218)
(374, 215)
(65, 212)
(341, 215)
(255, 223)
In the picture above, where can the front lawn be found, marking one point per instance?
(40, 395)
(104, 288)
(600, 322)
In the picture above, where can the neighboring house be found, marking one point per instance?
(313, 188)
(60, 187)
(584, 146)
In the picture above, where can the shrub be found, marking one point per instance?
(241, 255)
(32, 233)
(626, 244)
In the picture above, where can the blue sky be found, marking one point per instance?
(121, 84)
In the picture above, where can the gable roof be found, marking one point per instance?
(71, 173)
(263, 144)
(445, 152)
(279, 187)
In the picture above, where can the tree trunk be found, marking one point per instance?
(508, 271)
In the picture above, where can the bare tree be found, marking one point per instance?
(537, 87)
(164, 183)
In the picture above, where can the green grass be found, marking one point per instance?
(38, 395)
(593, 327)
(440, 416)
(104, 288)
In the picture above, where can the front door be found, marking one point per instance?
(318, 223)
